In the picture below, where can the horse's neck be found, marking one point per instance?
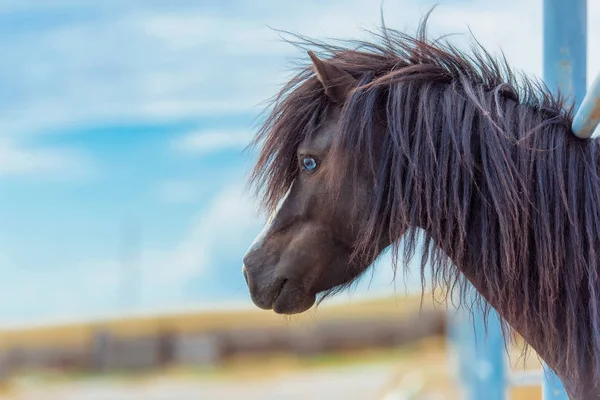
(473, 273)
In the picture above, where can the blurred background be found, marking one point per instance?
(124, 215)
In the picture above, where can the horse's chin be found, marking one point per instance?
(293, 300)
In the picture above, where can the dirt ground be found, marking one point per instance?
(423, 371)
(419, 372)
(355, 383)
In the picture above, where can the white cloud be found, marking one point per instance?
(203, 142)
(126, 64)
(225, 223)
(94, 287)
(19, 160)
(43, 295)
(226, 226)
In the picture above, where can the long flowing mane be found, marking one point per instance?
(482, 159)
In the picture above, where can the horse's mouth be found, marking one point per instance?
(292, 299)
(283, 297)
(278, 293)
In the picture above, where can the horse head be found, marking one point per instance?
(308, 246)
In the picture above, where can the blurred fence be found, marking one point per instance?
(107, 351)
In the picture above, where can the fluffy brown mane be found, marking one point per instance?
(479, 157)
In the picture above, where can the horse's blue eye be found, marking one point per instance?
(309, 164)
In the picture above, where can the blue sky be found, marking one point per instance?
(116, 112)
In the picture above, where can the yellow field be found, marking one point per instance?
(421, 368)
(81, 333)
(425, 362)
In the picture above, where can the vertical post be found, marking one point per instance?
(481, 353)
(565, 45)
(459, 332)
(100, 344)
(488, 378)
(552, 387)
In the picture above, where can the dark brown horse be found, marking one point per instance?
(376, 142)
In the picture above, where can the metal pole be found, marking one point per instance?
(565, 58)
(565, 45)
(587, 118)
(488, 377)
(552, 387)
(481, 352)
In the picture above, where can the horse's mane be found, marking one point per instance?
(470, 150)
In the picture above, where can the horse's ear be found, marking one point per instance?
(336, 82)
